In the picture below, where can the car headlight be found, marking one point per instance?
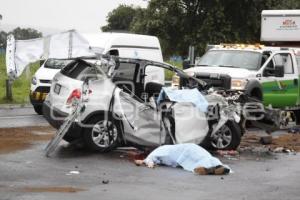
(237, 84)
(175, 81)
(34, 80)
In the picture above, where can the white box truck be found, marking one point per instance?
(280, 26)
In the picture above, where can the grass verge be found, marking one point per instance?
(21, 86)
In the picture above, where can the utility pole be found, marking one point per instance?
(8, 82)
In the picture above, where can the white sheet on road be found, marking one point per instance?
(188, 156)
(20, 53)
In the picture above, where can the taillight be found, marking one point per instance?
(76, 94)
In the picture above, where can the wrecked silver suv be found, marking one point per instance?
(121, 109)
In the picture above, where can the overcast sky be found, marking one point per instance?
(50, 16)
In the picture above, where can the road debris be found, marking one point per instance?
(282, 150)
(266, 140)
(105, 181)
(16, 139)
(295, 130)
(283, 143)
(228, 154)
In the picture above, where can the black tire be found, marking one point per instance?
(233, 132)
(38, 109)
(98, 123)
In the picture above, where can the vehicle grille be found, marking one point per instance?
(43, 89)
(218, 81)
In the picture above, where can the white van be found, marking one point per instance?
(119, 44)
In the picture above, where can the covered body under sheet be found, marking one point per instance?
(188, 156)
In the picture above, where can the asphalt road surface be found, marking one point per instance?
(26, 174)
(20, 117)
(29, 175)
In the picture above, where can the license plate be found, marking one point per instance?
(57, 88)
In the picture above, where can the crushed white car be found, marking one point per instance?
(121, 109)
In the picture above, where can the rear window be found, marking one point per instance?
(80, 70)
(56, 63)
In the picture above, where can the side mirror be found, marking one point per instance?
(279, 71)
(186, 64)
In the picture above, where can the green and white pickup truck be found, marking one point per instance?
(268, 73)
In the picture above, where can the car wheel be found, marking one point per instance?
(38, 109)
(228, 137)
(102, 135)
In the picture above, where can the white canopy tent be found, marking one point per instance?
(20, 53)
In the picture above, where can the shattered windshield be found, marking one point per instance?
(56, 63)
(231, 58)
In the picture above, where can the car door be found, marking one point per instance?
(281, 91)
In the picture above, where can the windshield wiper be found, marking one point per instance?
(204, 65)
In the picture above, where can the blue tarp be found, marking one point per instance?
(184, 95)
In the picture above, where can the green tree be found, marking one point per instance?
(25, 33)
(3, 36)
(164, 20)
(20, 34)
(120, 18)
(180, 23)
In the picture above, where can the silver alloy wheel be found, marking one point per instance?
(100, 133)
(222, 138)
